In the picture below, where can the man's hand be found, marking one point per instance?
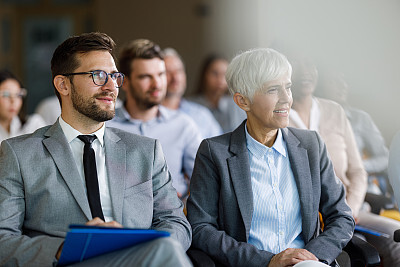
(290, 257)
(99, 222)
(94, 222)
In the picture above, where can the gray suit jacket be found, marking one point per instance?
(41, 192)
(220, 204)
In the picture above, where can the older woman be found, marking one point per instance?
(256, 192)
(329, 119)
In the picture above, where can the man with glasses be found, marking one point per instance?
(145, 87)
(77, 171)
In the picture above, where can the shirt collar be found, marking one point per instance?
(314, 117)
(15, 126)
(71, 133)
(162, 115)
(259, 150)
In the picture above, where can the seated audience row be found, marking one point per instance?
(257, 193)
(215, 108)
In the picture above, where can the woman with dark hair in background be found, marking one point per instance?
(212, 92)
(13, 119)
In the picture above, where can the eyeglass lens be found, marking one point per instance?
(100, 78)
(7, 94)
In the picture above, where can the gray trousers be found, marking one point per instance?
(165, 252)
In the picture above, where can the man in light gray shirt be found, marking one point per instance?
(145, 87)
(176, 86)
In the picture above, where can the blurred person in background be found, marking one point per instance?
(212, 92)
(49, 109)
(370, 142)
(13, 119)
(176, 87)
(394, 167)
(145, 86)
(329, 119)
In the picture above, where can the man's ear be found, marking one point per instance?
(242, 101)
(62, 84)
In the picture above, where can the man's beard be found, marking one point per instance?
(142, 102)
(171, 93)
(88, 106)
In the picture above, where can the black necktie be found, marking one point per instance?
(92, 184)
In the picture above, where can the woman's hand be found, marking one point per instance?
(290, 257)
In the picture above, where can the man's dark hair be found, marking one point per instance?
(138, 49)
(65, 58)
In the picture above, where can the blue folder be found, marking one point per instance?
(83, 242)
(362, 229)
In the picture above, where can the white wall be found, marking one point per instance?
(360, 37)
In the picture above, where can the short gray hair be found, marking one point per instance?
(171, 52)
(250, 70)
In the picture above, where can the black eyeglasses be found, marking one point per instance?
(100, 77)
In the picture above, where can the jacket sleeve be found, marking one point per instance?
(336, 214)
(167, 208)
(17, 249)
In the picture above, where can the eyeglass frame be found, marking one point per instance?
(92, 74)
(22, 94)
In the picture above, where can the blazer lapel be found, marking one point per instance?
(239, 169)
(116, 171)
(300, 166)
(59, 149)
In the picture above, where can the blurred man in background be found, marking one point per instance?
(176, 87)
(145, 86)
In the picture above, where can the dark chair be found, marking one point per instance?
(385, 200)
(396, 236)
(379, 202)
(360, 252)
